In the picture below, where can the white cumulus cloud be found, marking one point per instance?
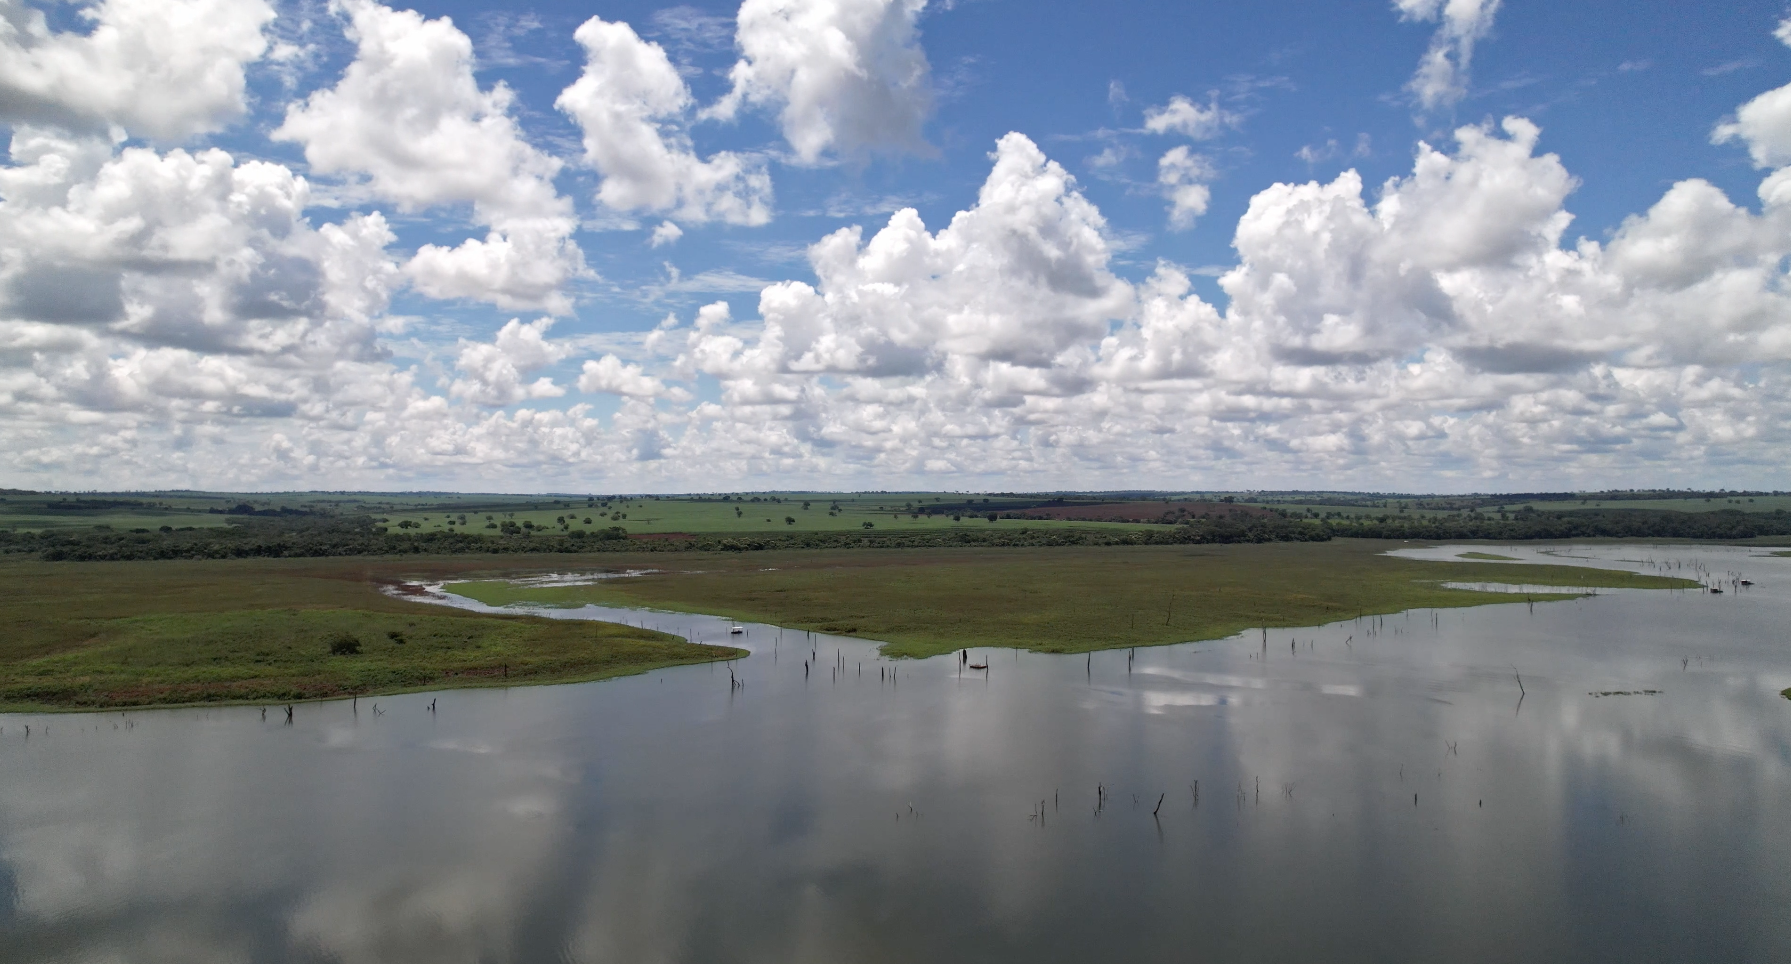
(408, 123)
(164, 69)
(1183, 176)
(844, 75)
(630, 103)
(183, 317)
(1017, 279)
(1183, 116)
(1764, 123)
(496, 373)
(521, 264)
(616, 377)
(183, 249)
(1444, 328)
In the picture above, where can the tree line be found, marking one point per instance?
(295, 537)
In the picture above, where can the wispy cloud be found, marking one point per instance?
(850, 205)
(713, 281)
(1442, 78)
(1746, 63)
(1331, 150)
(688, 28)
(497, 48)
(771, 252)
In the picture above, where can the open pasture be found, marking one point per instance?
(739, 514)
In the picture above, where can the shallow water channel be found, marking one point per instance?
(1374, 790)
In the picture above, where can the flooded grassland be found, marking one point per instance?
(1594, 778)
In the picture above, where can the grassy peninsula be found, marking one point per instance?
(1064, 600)
(102, 635)
(111, 635)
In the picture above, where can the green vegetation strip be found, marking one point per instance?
(105, 636)
(1487, 556)
(1063, 600)
(141, 526)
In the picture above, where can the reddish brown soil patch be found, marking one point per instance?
(1147, 511)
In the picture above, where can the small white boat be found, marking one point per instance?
(736, 630)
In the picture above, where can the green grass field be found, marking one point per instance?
(108, 635)
(790, 513)
(482, 514)
(1067, 600)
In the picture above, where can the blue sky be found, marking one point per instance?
(1629, 110)
(1211, 298)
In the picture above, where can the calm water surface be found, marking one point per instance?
(1377, 790)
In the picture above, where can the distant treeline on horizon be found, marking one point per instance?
(96, 498)
(296, 536)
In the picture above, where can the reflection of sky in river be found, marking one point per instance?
(667, 818)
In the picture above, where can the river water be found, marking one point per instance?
(1422, 787)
